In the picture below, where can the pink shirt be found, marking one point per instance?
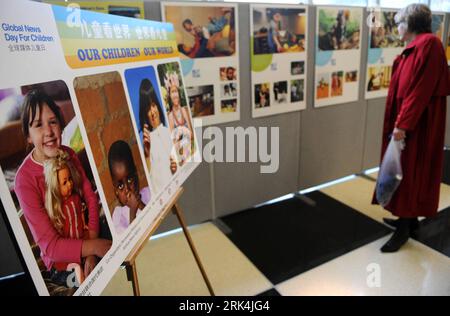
(30, 190)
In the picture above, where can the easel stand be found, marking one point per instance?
(130, 261)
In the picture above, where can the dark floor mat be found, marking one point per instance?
(435, 232)
(290, 237)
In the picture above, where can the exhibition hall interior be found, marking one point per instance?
(225, 148)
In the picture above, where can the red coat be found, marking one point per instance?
(417, 102)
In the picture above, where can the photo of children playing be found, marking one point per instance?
(150, 117)
(378, 78)
(339, 29)
(386, 35)
(262, 95)
(278, 30)
(203, 31)
(107, 120)
(50, 180)
(178, 114)
(201, 100)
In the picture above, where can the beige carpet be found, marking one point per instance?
(166, 267)
(357, 193)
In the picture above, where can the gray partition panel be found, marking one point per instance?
(241, 185)
(196, 200)
(332, 138)
(374, 128)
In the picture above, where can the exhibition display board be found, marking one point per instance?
(105, 139)
(384, 46)
(338, 55)
(207, 37)
(278, 53)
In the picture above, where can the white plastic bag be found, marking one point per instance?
(391, 173)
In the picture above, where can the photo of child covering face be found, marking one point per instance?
(43, 157)
(107, 120)
(149, 115)
(207, 31)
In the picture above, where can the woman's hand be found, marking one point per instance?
(89, 265)
(146, 137)
(398, 134)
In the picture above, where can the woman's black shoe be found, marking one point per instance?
(400, 236)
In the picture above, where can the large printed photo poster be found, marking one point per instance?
(96, 136)
(278, 58)
(384, 46)
(207, 38)
(338, 54)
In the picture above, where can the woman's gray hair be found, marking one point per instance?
(417, 17)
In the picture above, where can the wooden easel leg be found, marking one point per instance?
(176, 209)
(132, 276)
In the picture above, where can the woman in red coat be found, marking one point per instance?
(415, 112)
